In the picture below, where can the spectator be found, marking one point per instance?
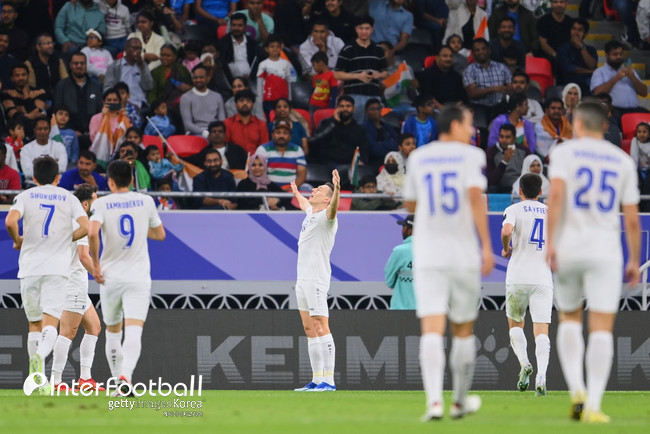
(613, 133)
(81, 95)
(620, 81)
(571, 96)
(7, 60)
(258, 181)
(526, 27)
(243, 128)
(113, 111)
(273, 75)
(164, 18)
(459, 55)
(74, 20)
(485, 82)
(433, 16)
(233, 157)
(554, 127)
(259, 25)
(132, 112)
(284, 112)
(129, 151)
(164, 203)
(324, 83)
(640, 148)
(286, 160)
(239, 84)
(400, 103)
(405, 145)
(151, 41)
(40, 147)
(525, 130)
(98, 57)
(422, 125)
(398, 272)
(214, 13)
(21, 101)
(171, 79)
(18, 38)
(465, 21)
(368, 185)
(643, 22)
(237, 50)
(382, 137)
(9, 178)
(577, 60)
(160, 120)
(361, 66)
(191, 55)
(131, 70)
(554, 29)
(392, 176)
(14, 142)
(505, 49)
(626, 9)
(520, 83)
(118, 24)
(323, 41)
(160, 168)
(214, 179)
(217, 75)
(339, 20)
(504, 161)
(84, 173)
(292, 20)
(393, 23)
(35, 17)
(532, 164)
(68, 135)
(45, 67)
(441, 81)
(200, 105)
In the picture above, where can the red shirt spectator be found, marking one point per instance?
(9, 178)
(245, 129)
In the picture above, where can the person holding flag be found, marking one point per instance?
(461, 12)
(107, 128)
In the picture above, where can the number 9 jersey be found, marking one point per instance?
(599, 178)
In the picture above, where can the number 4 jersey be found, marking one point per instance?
(125, 219)
(438, 177)
(527, 264)
(599, 178)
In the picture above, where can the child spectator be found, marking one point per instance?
(191, 53)
(324, 83)
(118, 24)
(134, 135)
(159, 167)
(98, 58)
(164, 203)
(14, 140)
(273, 75)
(70, 140)
(160, 120)
(132, 111)
(392, 176)
(459, 55)
(422, 125)
(405, 145)
(640, 153)
(368, 185)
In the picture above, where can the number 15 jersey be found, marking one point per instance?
(125, 219)
(438, 177)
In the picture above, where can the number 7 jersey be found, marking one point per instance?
(599, 178)
(125, 221)
(438, 178)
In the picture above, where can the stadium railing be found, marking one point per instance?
(645, 287)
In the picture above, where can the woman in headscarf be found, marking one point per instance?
(258, 180)
(392, 176)
(571, 96)
(531, 164)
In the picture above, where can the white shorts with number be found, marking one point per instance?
(312, 297)
(599, 283)
(455, 293)
(538, 297)
(124, 300)
(76, 293)
(42, 294)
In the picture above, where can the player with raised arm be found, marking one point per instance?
(313, 281)
(529, 282)
(126, 219)
(78, 309)
(48, 213)
(444, 187)
(591, 181)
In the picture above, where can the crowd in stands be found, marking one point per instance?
(250, 95)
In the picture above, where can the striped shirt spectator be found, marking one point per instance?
(286, 160)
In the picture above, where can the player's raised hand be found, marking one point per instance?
(18, 244)
(336, 179)
(632, 274)
(488, 261)
(294, 188)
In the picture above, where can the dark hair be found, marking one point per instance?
(42, 119)
(509, 127)
(191, 45)
(584, 23)
(215, 124)
(446, 46)
(592, 113)
(273, 38)
(450, 37)
(612, 45)
(61, 108)
(37, 41)
(404, 136)
(279, 100)
(212, 151)
(320, 22)
(120, 172)
(110, 91)
(319, 57)
(516, 100)
(520, 73)
(19, 66)
(480, 41)
(149, 149)
(14, 122)
(244, 80)
(171, 48)
(346, 98)
(3, 150)
(13, 6)
(88, 155)
(372, 101)
(78, 53)
(531, 185)
(200, 66)
(134, 130)
(45, 170)
(605, 97)
(157, 103)
(364, 19)
(448, 115)
(551, 100)
(145, 14)
(507, 18)
(238, 16)
(366, 179)
(421, 100)
(120, 85)
(3, 31)
(245, 94)
(85, 191)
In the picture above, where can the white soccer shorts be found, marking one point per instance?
(452, 292)
(42, 294)
(124, 300)
(76, 293)
(538, 297)
(599, 283)
(312, 297)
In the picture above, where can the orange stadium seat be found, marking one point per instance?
(629, 121)
(185, 146)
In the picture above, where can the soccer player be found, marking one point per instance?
(591, 180)
(444, 187)
(77, 308)
(313, 281)
(126, 219)
(528, 280)
(48, 213)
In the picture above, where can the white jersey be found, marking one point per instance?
(125, 219)
(527, 264)
(48, 212)
(77, 268)
(438, 178)
(315, 245)
(599, 178)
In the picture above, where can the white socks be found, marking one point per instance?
(571, 351)
(328, 351)
(316, 357)
(114, 352)
(87, 354)
(542, 352)
(60, 357)
(131, 349)
(462, 360)
(48, 338)
(32, 342)
(600, 353)
(519, 345)
(432, 365)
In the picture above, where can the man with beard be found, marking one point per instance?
(285, 160)
(232, 156)
(42, 146)
(441, 81)
(81, 95)
(554, 29)
(199, 106)
(83, 174)
(22, 101)
(520, 82)
(244, 129)
(74, 20)
(46, 68)
(214, 179)
(505, 49)
(237, 51)
(621, 82)
(577, 60)
(18, 38)
(133, 71)
(525, 24)
(554, 128)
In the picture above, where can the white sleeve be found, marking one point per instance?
(27, 162)
(61, 157)
(630, 193)
(76, 208)
(83, 241)
(96, 212)
(558, 165)
(19, 204)
(154, 218)
(476, 178)
(509, 216)
(10, 160)
(410, 185)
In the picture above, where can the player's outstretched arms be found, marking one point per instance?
(157, 233)
(480, 221)
(304, 203)
(333, 207)
(82, 230)
(506, 235)
(11, 223)
(555, 204)
(633, 238)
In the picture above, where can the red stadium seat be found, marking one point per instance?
(626, 145)
(185, 146)
(221, 31)
(629, 121)
(301, 112)
(539, 69)
(153, 140)
(429, 61)
(321, 114)
(609, 11)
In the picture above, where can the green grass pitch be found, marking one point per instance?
(269, 412)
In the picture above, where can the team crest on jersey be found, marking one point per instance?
(306, 223)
